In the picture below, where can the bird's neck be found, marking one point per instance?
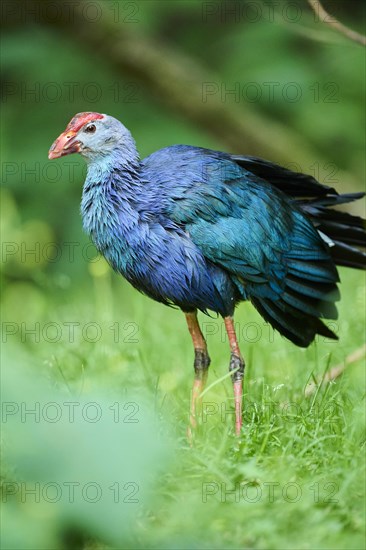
(108, 205)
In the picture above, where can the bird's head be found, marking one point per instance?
(92, 135)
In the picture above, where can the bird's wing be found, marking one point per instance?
(242, 222)
(268, 246)
(293, 184)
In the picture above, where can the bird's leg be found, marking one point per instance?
(237, 368)
(201, 364)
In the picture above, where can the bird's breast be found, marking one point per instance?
(160, 261)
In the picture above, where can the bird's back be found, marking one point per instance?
(268, 247)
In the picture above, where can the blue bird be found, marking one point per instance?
(205, 230)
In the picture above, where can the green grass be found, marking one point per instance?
(294, 479)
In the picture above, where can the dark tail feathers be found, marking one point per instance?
(300, 329)
(347, 232)
(310, 292)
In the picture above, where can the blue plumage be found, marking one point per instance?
(205, 230)
(191, 227)
(154, 253)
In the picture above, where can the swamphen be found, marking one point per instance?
(205, 230)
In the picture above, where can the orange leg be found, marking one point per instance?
(201, 364)
(237, 368)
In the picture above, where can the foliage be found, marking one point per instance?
(75, 332)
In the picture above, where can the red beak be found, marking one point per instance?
(65, 144)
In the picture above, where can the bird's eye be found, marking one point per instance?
(90, 129)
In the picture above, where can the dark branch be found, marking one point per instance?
(333, 22)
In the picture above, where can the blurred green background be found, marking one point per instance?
(250, 77)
